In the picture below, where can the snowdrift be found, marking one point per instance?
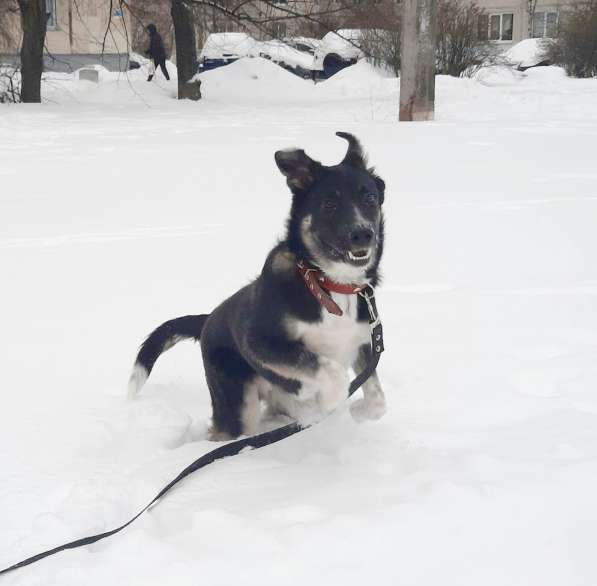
(253, 79)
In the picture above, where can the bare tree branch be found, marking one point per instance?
(108, 27)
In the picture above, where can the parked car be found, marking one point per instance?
(528, 53)
(224, 48)
(336, 51)
(304, 44)
(298, 62)
(137, 61)
(308, 58)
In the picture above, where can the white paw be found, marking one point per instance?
(214, 435)
(368, 409)
(308, 412)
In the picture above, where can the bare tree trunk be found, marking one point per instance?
(417, 70)
(531, 6)
(70, 25)
(186, 50)
(33, 23)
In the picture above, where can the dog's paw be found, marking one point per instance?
(309, 412)
(215, 435)
(368, 409)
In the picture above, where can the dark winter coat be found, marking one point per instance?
(156, 48)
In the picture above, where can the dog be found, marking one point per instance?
(290, 337)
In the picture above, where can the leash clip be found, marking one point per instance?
(374, 319)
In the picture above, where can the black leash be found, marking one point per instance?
(233, 448)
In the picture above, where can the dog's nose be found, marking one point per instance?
(361, 237)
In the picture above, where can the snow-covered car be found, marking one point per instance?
(528, 53)
(304, 44)
(337, 50)
(136, 61)
(298, 62)
(224, 48)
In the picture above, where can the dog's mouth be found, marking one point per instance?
(359, 257)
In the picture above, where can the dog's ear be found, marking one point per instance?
(354, 155)
(380, 184)
(300, 170)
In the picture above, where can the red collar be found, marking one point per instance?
(319, 286)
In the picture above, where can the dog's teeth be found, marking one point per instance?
(365, 256)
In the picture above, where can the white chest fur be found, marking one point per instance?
(335, 337)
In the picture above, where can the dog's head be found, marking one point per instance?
(336, 221)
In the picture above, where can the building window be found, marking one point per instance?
(500, 27)
(279, 30)
(545, 24)
(51, 14)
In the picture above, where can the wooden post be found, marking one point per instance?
(417, 69)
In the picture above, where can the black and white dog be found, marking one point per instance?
(290, 337)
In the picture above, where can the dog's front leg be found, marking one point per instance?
(373, 403)
(315, 382)
(319, 393)
(322, 387)
(330, 384)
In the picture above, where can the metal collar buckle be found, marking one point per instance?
(367, 294)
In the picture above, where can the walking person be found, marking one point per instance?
(156, 52)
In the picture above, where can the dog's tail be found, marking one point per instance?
(160, 340)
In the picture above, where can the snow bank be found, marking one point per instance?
(498, 76)
(253, 79)
(358, 80)
(114, 87)
(361, 74)
(257, 79)
(549, 76)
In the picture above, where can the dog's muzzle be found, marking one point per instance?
(361, 246)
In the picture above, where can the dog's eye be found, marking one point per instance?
(370, 198)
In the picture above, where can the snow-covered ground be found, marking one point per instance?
(121, 207)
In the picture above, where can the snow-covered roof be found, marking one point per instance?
(310, 43)
(527, 53)
(278, 51)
